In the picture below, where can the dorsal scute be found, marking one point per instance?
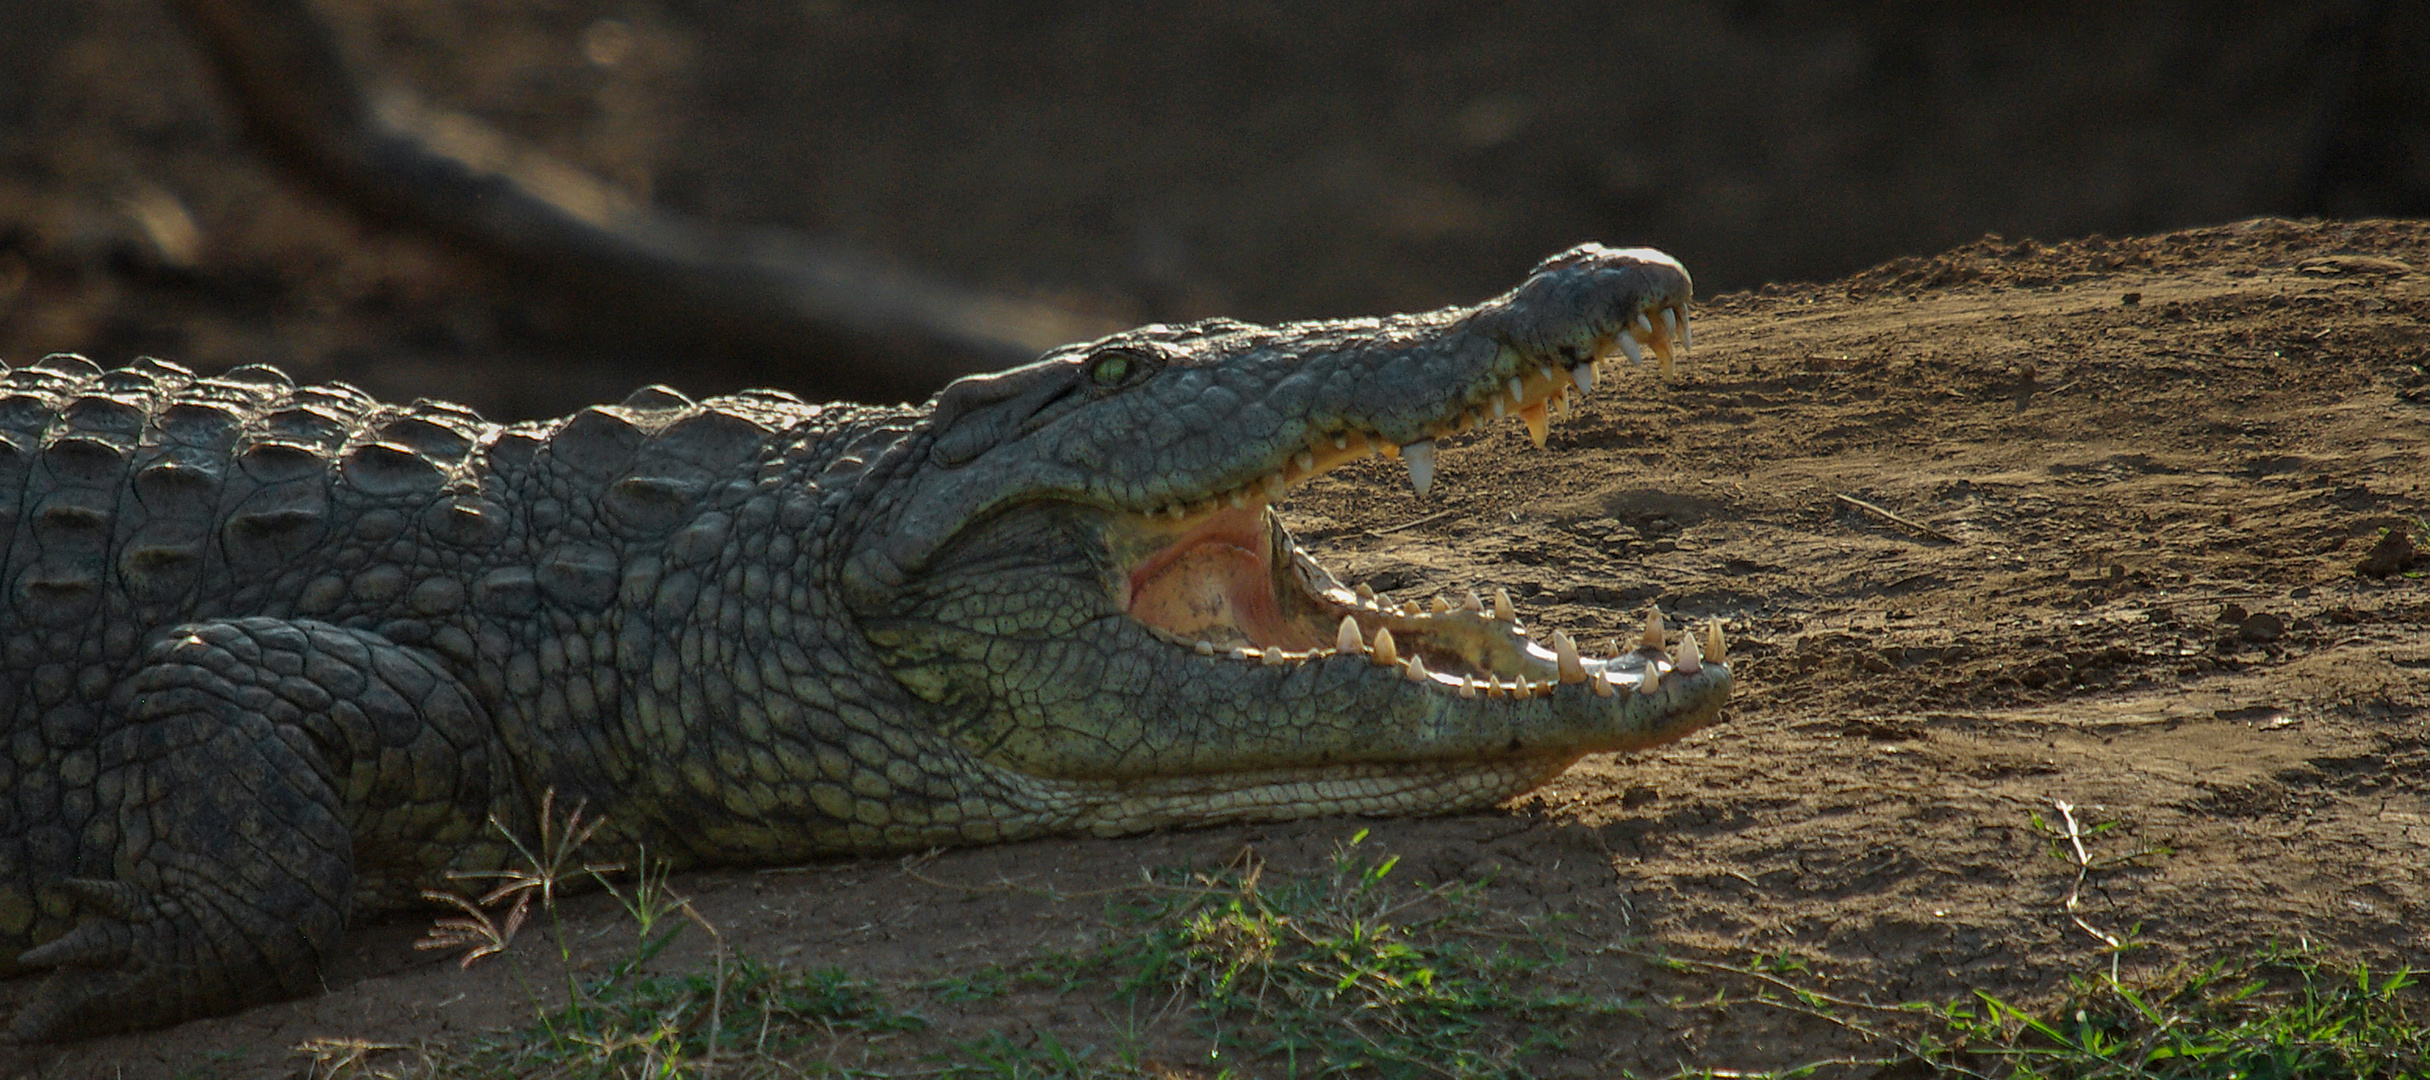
(257, 375)
(199, 425)
(70, 365)
(305, 425)
(27, 413)
(598, 442)
(268, 461)
(384, 468)
(106, 417)
(711, 438)
(656, 396)
(58, 373)
(668, 475)
(436, 437)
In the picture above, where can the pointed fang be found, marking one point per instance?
(1628, 348)
(1652, 638)
(1565, 653)
(1584, 376)
(1474, 605)
(1716, 647)
(1691, 658)
(1420, 458)
(1502, 608)
(1416, 671)
(1537, 425)
(1384, 653)
(1603, 686)
(1653, 680)
(1348, 642)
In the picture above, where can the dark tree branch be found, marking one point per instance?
(838, 322)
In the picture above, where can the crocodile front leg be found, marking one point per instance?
(244, 764)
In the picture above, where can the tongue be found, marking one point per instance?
(1217, 584)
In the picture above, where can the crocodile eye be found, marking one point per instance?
(1119, 367)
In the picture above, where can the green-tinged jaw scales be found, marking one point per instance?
(1083, 579)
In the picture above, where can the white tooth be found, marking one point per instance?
(1341, 440)
(1365, 592)
(1347, 641)
(1204, 648)
(1687, 334)
(1565, 655)
(1716, 647)
(1384, 653)
(1584, 376)
(1468, 688)
(1691, 659)
(1546, 372)
(1603, 686)
(1420, 456)
(1493, 686)
(1630, 349)
(1653, 680)
(1411, 608)
(1644, 326)
(1274, 655)
(1305, 461)
(1501, 605)
(1652, 638)
(1670, 323)
(1498, 410)
(1474, 605)
(1239, 653)
(1274, 485)
(1417, 670)
(1518, 392)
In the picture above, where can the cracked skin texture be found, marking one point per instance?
(276, 655)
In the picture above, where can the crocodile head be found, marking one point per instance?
(1080, 575)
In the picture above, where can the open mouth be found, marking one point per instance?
(1221, 577)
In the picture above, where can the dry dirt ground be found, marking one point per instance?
(2138, 479)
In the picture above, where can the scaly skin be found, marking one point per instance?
(276, 655)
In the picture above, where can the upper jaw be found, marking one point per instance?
(1528, 356)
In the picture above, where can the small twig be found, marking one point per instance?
(1907, 523)
(1804, 1005)
(1412, 523)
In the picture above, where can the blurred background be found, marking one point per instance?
(1130, 163)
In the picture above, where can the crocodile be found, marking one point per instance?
(279, 657)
